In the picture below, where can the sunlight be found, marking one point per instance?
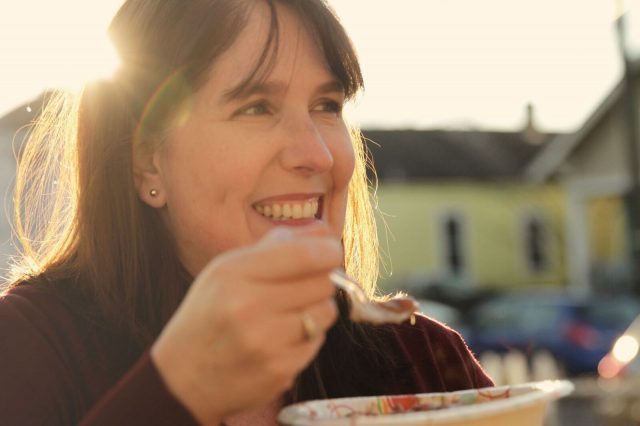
(625, 348)
(81, 50)
(56, 44)
(427, 63)
(98, 59)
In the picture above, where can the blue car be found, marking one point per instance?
(578, 333)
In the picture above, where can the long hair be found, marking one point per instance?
(77, 214)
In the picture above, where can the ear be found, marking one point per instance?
(148, 178)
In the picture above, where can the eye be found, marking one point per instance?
(255, 109)
(330, 106)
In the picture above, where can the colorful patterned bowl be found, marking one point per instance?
(522, 405)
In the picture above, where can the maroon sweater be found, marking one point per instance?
(58, 368)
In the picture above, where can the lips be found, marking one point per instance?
(283, 209)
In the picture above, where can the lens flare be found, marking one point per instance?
(625, 348)
(609, 367)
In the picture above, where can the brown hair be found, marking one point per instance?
(94, 232)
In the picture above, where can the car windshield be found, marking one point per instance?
(618, 313)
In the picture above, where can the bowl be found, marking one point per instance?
(522, 405)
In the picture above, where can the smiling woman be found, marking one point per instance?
(180, 222)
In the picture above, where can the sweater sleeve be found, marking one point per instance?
(440, 359)
(34, 377)
(51, 372)
(140, 397)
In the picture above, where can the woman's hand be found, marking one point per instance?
(238, 340)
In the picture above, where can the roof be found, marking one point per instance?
(449, 154)
(556, 152)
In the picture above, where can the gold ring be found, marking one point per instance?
(309, 326)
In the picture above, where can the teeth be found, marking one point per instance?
(291, 210)
(308, 210)
(286, 211)
(277, 211)
(297, 211)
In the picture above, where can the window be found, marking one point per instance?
(535, 244)
(453, 248)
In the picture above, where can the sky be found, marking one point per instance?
(452, 64)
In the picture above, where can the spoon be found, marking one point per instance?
(361, 309)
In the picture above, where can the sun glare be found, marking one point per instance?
(625, 348)
(426, 63)
(47, 44)
(85, 52)
(83, 62)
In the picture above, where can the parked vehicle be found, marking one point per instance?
(577, 333)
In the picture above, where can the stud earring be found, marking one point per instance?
(153, 192)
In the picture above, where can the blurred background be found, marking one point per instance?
(505, 135)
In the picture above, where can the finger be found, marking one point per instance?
(299, 356)
(296, 328)
(285, 259)
(291, 362)
(294, 295)
(313, 322)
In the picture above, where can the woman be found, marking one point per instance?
(200, 200)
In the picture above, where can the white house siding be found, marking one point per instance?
(598, 168)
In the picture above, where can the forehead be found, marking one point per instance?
(251, 58)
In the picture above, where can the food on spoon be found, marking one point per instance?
(361, 309)
(395, 311)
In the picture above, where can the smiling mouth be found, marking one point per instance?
(303, 209)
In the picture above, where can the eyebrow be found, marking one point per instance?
(274, 87)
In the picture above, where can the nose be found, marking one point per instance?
(306, 150)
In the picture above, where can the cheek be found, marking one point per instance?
(344, 164)
(344, 157)
(198, 189)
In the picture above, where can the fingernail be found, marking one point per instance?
(281, 234)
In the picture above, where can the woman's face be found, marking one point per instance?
(276, 154)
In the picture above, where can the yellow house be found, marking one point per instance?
(456, 210)
(498, 234)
